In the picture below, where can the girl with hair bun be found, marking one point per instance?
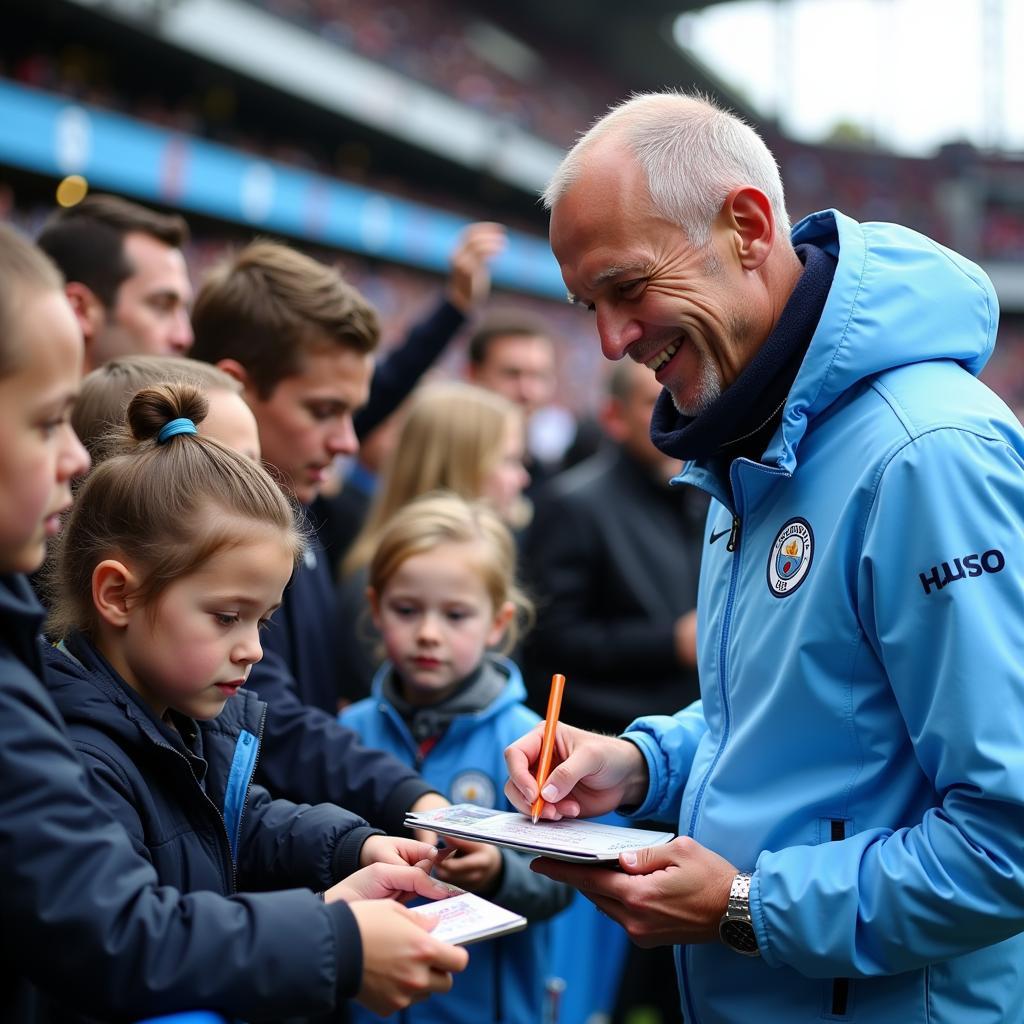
(176, 552)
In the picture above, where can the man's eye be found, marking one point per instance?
(629, 289)
(226, 618)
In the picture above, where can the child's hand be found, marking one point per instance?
(402, 962)
(395, 850)
(475, 866)
(387, 882)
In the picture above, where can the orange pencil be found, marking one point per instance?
(547, 747)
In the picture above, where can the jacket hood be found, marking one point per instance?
(885, 284)
(88, 695)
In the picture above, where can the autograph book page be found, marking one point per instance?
(577, 840)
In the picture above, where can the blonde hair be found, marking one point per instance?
(693, 152)
(431, 520)
(156, 505)
(452, 437)
(102, 403)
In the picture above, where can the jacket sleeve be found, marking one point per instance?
(286, 844)
(307, 756)
(401, 368)
(565, 560)
(940, 591)
(668, 744)
(85, 919)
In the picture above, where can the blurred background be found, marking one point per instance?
(369, 133)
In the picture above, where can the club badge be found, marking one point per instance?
(473, 787)
(790, 558)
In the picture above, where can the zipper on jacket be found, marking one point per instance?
(734, 535)
(217, 811)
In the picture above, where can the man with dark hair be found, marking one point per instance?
(616, 606)
(125, 277)
(300, 340)
(514, 355)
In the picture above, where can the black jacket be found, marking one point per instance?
(83, 918)
(307, 756)
(612, 557)
(191, 808)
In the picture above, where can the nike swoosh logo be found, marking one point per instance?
(716, 536)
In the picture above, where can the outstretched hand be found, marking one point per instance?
(664, 895)
(469, 283)
(395, 850)
(388, 882)
(594, 774)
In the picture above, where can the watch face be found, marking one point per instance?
(739, 935)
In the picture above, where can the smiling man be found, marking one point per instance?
(849, 792)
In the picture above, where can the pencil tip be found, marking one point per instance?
(534, 817)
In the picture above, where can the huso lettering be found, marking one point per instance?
(966, 567)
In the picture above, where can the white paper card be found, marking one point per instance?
(573, 839)
(466, 917)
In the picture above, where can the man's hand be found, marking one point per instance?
(387, 882)
(595, 775)
(395, 850)
(470, 281)
(667, 895)
(402, 962)
(474, 866)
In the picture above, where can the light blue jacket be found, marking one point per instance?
(860, 742)
(505, 981)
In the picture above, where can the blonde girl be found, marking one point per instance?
(175, 554)
(455, 437)
(443, 593)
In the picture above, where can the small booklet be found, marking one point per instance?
(465, 917)
(574, 839)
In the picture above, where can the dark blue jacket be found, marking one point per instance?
(307, 756)
(83, 917)
(191, 807)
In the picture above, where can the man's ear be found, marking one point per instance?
(89, 311)
(234, 369)
(747, 214)
(113, 584)
(502, 620)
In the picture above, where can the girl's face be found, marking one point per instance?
(504, 482)
(39, 453)
(437, 620)
(192, 648)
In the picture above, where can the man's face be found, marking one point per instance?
(693, 316)
(628, 421)
(307, 419)
(149, 315)
(521, 367)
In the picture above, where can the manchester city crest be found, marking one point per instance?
(473, 787)
(790, 557)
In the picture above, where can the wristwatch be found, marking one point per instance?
(736, 927)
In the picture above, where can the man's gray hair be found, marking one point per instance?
(693, 152)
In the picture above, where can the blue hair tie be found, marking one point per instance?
(182, 425)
